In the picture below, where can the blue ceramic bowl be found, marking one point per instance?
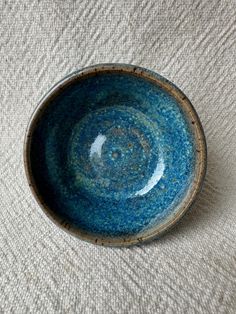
(115, 154)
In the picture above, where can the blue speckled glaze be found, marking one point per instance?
(113, 153)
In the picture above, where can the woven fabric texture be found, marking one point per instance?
(192, 269)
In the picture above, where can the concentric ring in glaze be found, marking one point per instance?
(115, 154)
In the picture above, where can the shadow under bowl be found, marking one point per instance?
(115, 154)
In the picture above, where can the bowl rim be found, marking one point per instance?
(196, 127)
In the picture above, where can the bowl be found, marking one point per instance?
(115, 154)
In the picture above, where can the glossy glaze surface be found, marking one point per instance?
(113, 154)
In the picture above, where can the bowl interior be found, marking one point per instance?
(112, 154)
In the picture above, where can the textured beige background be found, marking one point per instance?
(193, 268)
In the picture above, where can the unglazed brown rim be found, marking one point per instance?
(195, 124)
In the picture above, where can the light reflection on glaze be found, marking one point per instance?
(96, 147)
(96, 150)
(155, 178)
